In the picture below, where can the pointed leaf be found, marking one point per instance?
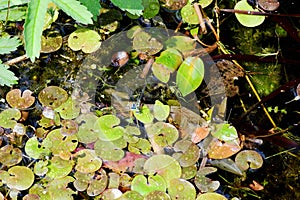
(33, 27)
(93, 6)
(7, 77)
(190, 75)
(8, 44)
(134, 7)
(74, 9)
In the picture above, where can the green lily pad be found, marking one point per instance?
(157, 195)
(10, 156)
(248, 20)
(161, 111)
(15, 100)
(111, 151)
(129, 195)
(59, 144)
(187, 153)
(35, 150)
(189, 14)
(181, 189)
(40, 167)
(163, 165)
(141, 146)
(190, 75)
(69, 109)
(225, 132)
(109, 194)
(189, 172)
(87, 161)
(52, 96)
(108, 129)
(58, 188)
(69, 127)
(151, 8)
(51, 43)
(145, 185)
(144, 115)
(84, 39)
(205, 184)
(59, 168)
(9, 117)
(21, 178)
(248, 158)
(144, 43)
(114, 180)
(211, 195)
(87, 132)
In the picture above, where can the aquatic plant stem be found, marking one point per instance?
(225, 51)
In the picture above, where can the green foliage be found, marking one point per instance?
(7, 77)
(93, 6)
(134, 7)
(8, 44)
(35, 20)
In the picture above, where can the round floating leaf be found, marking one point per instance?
(205, 184)
(219, 149)
(87, 161)
(69, 127)
(189, 15)
(59, 168)
(84, 39)
(87, 133)
(9, 117)
(157, 195)
(211, 195)
(161, 111)
(151, 8)
(187, 153)
(190, 75)
(189, 172)
(181, 189)
(58, 188)
(145, 185)
(51, 43)
(60, 145)
(129, 195)
(181, 43)
(164, 165)
(248, 20)
(248, 158)
(268, 5)
(69, 109)
(10, 156)
(109, 150)
(225, 132)
(35, 150)
(161, 134)
(53, 96)
(141, 146)
(15, 100)
(108, 129)
(144, 115)
(31, 197)
(144, 43)
(40, 167)
(21, 178)
(111, 194)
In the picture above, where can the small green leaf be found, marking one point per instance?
(9, 117)
(7, 77)
(15, 13)
(181, 189)
(190, 75)
(189, 14)
(211, 195)
(108, 129)
(4, 3)
(225, 132)
(33, 27)
(21, 178)
(93, 6)
(74, 9)
(248, 20)
(84, 39)
(144, 115)
(151, 8)
(161, 111)
(145, 185)
(8, 44)
(134, 7)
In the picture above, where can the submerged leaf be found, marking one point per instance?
(190, 75)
